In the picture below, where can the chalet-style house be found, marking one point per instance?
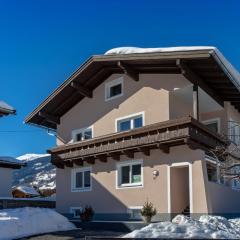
(7, 164)
(143, 124)
(24, 192)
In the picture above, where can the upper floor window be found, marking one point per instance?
(130, 122)
(213, 124)
(82, 134)
(114, 89)
(81, 179)
(130, 174)
(234, 131)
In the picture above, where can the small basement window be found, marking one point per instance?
(135, 213)
(81, 179)
(76, 211)
(82, 134)
(130, 174)
(114, 89)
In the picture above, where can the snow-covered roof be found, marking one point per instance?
(10, 162)
(6, 108)
(228, 68)
(27, 190)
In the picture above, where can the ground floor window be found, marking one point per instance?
(130, 174)
(81, 179)
(212, 172)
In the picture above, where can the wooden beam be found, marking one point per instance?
(69, 164)
(129, 153)
(129, 71)
(197, 80)
(49, 118)
(164, 148)
(115, 156)
(145, 151)
(82, 90)
(90, 160)
(102, 158)
(78, 162)
(59, 165)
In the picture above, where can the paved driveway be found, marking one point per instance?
(74, 234)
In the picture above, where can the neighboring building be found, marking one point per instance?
(138, 124)
(7, 165)
(24, 192)
(6, 109)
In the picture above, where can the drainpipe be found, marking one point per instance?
(195, 102)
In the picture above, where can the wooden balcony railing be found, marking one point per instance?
(163, 136)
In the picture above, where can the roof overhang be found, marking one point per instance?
(203, 67)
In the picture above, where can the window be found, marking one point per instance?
(114, 89)
(130, 122)
(235, 182)
(135, 213)
(213, 124)
(81, 179)
(130, 174)
(82, 134)
(212, 172)
(76, 211)
(234, 131)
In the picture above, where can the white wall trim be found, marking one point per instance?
(125, 163)
(110, 84)
(214, 120)
(181, 164)
(130, 116)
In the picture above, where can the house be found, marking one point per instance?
(141, 124)
(6, 109)
(7, 165)
(24, 192)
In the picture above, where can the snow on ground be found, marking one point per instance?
(22, 222)
(31, 156)
(227, 67)
(185, 227)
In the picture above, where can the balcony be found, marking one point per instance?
(162, 136)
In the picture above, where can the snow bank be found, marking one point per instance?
(22, 222)
(185, 227)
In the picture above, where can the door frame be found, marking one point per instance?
(180, 164)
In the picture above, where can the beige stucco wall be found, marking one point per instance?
(150, 95)
(5, 182)
(106, 198)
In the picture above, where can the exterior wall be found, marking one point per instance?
(149, 95)
(5, 182)
(107, 199)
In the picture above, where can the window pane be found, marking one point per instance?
(124, 125)
(79, 183)
(212, 126)
(77, 212)
(88, 134)
(87, 176)
(136, 173)
(115, 90)
(138, 122)
(125, 175)
(79, 137)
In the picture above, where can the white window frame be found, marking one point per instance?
(74, 171)
(131, 208)
(110, 84)
(131, 117)
(81, 130)
(213, 120)
(119, 174)
(72, 211)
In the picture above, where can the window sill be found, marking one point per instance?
(112, 98)
(129, 186)
(82, 190)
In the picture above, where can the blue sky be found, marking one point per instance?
(43, 42)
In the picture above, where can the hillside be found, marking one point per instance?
(39, 171)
